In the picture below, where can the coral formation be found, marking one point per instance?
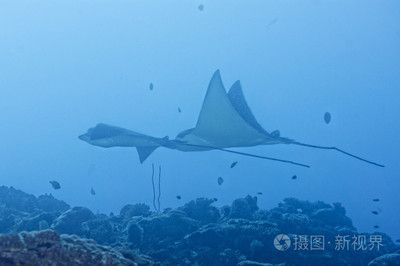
(198, 233)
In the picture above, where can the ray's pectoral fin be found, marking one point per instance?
(145, 152)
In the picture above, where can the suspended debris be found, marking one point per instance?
(157, 207)
(327, 117)
(55, 184)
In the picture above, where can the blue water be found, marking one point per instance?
(65, 66)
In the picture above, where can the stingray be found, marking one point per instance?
(225, 121)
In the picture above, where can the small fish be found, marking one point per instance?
(294, 177)
(92, 191)
(259, 193)
(374, 212)
(327, 117)
(55, 184)
(376, 226)
(233, 164)
(220, 180)
(201, 7)
(151, 86)
(179, 110)
(397, 241)
(178, 197)
(376, 200)
(215, 199)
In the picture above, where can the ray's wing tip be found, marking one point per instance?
(216, 75)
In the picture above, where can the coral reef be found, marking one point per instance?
(49, 248)
(198, 233)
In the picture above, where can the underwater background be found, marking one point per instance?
(65, 66)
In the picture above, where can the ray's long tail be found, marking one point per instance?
(336, 149)
(248, 154)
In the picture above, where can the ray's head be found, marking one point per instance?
(101, 135)
(86, 137)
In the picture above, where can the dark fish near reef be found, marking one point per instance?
(178, 197)
(234, 164)
(376, 200)
(374, 212)
(151, 86)
(327, 117)
(55, 184)
(294, 177)
(201, 7)
(92, 191)
(215, 199)
(259, 193)
(220, 180)
(376, 226)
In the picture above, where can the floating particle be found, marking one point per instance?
(272, 22)
(151, 86)
(178, 197)
(55, 184)
(327, 117)
(220, 180)
(179, 110)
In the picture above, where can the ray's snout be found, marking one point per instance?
(84, 137)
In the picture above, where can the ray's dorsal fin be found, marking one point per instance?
(144, 152)
(239, 102)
